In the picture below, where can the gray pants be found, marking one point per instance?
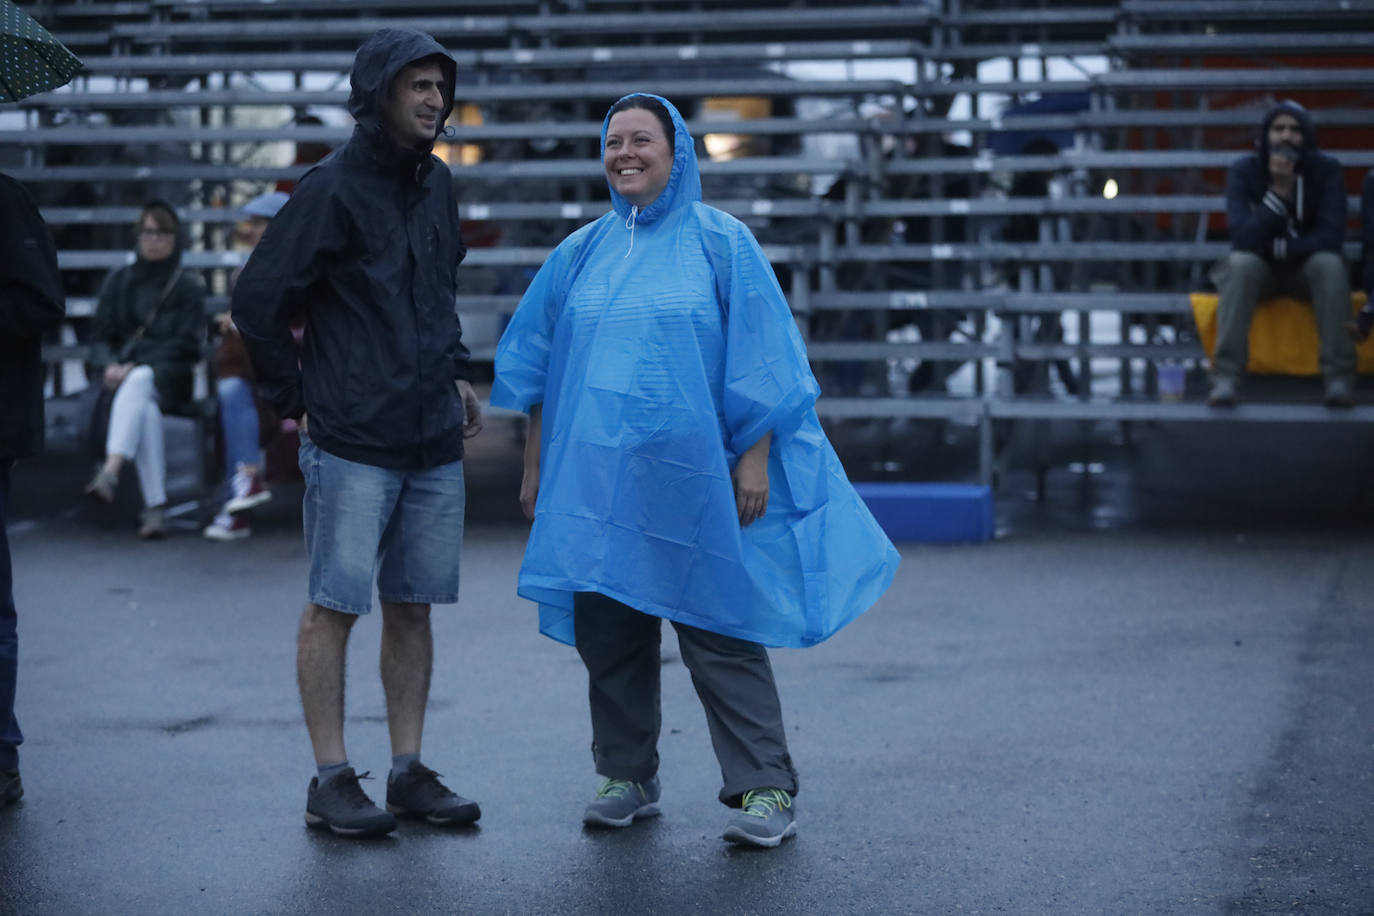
(1244, 279)
(732, 677)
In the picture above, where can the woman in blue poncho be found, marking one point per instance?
(675, 468)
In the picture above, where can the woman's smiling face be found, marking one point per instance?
(638, 157)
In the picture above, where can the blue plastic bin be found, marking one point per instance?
(931, 513)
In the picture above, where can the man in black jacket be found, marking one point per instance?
(31, 302)
(1285, 209)
(365, 253)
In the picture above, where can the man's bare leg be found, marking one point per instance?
(407, 659)
(321, 654)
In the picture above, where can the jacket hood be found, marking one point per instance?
(386, 53)
(1287, 106)
(684, 180)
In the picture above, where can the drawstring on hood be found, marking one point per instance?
(630, 224)
(1295, 216)
(684, 179)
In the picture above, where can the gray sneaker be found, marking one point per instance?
(766, 818)
(154, 527)
(102, 487)
(618, 802)
(1339, 392)
(341, 805)
(418, 793)
(11, 787)
(1223, 393)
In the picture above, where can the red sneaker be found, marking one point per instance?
(248, 492)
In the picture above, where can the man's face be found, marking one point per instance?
(413, 106)
(1284, 131)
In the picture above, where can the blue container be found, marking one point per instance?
(931, 513)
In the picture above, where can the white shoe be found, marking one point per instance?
(227, 527)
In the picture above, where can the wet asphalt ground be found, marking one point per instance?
(1152, 694)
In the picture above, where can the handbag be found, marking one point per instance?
(93, 417)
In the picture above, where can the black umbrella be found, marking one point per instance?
(31, 60)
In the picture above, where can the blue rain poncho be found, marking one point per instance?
(662, 348)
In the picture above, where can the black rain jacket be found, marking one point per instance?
(1279, 231)
(31, 303)
(365, 253)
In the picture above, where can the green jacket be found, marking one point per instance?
(171, 303)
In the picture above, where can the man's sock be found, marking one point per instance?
(401, 762)
(329, 770)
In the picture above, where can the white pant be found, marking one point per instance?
(136, 433)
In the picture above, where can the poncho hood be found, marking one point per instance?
(684, 181)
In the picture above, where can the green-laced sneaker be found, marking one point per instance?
(766, 818)
(618, 802)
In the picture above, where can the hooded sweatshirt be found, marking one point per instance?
(661, 348)
(1286, 232)
(366, 253)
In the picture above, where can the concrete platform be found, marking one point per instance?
(1149, 694)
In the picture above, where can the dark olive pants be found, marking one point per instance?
(1243, 280)
(733, 678)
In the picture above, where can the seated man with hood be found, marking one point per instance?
(1285, 210)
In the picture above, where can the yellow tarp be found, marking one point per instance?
(1283, 335)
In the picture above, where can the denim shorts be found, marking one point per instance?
(401, 527)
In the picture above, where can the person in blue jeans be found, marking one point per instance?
(365, 254)
(31, 303)
(240, 422)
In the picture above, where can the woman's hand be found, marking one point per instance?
(529, 491)
(751, 482)
(529, 484)
(115, 373)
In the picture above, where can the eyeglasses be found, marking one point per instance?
(155, 233)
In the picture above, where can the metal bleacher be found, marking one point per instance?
(929, 177)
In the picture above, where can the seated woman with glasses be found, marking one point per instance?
(146, 338)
